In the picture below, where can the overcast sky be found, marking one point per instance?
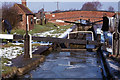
(51, 5)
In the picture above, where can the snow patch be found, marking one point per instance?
(11, 52)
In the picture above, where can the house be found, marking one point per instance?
(40, 16)
(23, 10)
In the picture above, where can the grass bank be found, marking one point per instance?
(41, 28)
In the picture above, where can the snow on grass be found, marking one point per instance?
(14, 51)
(52, 33)
(65, 33)
(11, 52)
(44, 34)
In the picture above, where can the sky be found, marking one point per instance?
(61, 0)
(51, 5)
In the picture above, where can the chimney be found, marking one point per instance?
(24, 2)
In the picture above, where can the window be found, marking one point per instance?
(21, 17)
(31, 20)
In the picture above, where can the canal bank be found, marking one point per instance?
(87, 63)
(112, 62)
(21, 66)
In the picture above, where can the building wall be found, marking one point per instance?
(22, 24)
(77, 15)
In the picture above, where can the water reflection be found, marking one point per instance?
(68, 65)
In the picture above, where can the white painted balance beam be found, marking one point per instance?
(6, 36)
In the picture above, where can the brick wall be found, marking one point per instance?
(76, 15)
(22, 24)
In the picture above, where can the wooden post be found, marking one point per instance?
(98, 39)
(119, 45)
(27, 42)
(26, 46)
(78, 27)
(115, 43)
(45, 21)
(119, 35)
(67, 45)
(41, 18)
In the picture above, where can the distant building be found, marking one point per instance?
(22, 11)
(40, 16)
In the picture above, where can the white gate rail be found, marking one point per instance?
(6, 36)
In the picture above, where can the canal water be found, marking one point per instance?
(68, 65)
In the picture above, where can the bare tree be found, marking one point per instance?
(10, 14)
(111, 8)
(91, 6)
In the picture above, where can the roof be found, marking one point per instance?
(80, 10)
(25, 9)
(41, 10)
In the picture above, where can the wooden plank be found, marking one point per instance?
(59, 40)
(41, 49)
(16, 37)
(6, 36)
(93, 43)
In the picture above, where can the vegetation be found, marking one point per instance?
(21, 45)
(4, 60)
(10, 44)
(42, 28)
(5, 69)
(10, 14)
(91, 6)
(111, 8)
(48, 27)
